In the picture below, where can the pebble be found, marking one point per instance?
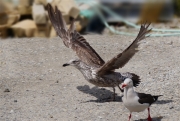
(15, 100)
(171, 107)
(7, 90)
(100, 117)
(12, 111)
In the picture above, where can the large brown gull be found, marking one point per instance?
(90, 64)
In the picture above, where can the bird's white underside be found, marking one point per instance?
(134, 106)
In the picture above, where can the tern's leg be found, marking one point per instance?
(120, 89)
(149, 117)
(130, 117)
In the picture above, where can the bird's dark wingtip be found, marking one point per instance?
(156, 97)
(136, 79)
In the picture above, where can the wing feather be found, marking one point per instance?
(122, 58)
(147, 98)
(72, 39)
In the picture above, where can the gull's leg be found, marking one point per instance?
(114, 94)
(112, 98)
(149, 117)
(129, 117)
(120, 89)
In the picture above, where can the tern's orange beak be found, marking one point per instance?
(123, 85)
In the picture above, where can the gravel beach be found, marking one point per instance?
(35, 87)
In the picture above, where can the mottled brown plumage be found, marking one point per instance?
(90, 64)
(122, 58)
(72, 39)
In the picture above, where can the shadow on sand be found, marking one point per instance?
(102, 94)
(163, 101)
(153, 119)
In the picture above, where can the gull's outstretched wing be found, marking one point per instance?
(72, 39)
(122, 58)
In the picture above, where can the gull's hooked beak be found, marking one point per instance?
(123, 85)
(66, 64)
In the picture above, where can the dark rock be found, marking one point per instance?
(171, 107)
(6, 90)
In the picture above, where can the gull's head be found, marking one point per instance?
(73, 62)
(127, 83)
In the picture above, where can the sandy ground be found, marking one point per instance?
(42, 90)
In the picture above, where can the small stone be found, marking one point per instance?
(12, 111)
(51, 116)
(6, 90)
(170, 43)
(64, 109)
(171, 107)
(15, 100)
(100, 117)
